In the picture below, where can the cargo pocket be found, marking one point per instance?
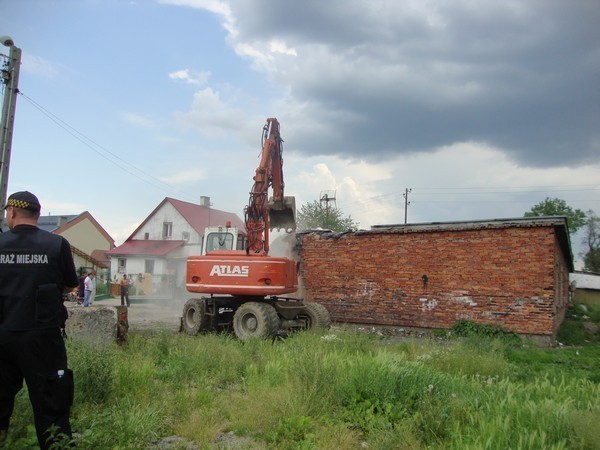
(57, 391)
(48, 299)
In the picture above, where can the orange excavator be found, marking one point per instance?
(243, 288)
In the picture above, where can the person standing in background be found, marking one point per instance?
(88, 289)
(36, 267)
(125, 291)
(94, 282)
(81, 288)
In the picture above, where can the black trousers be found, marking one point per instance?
(40, 358)
(124, 296)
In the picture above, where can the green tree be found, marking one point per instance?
(556, 207)
(591, 240)
(313, 215)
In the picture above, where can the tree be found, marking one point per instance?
(313, 215)
(591, 259)
(556, 207)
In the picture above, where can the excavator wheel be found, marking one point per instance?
(318, 316)
(255, 320)
(194, 320)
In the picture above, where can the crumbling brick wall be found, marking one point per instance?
(513, 276)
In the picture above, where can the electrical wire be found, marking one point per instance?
(124, 165)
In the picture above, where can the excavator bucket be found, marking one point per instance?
(282, 214)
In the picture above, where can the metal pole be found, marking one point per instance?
(10, 77)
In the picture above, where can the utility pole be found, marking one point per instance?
(406, 203)
(326, 197)
(10, 78)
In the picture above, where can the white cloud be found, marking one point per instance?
(190, 76)
(220, 8)
(39, 66)
(138, 120)
(278, 46)
(184, 176)
(210, 115)
(464, 181)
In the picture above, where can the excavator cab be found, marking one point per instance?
(282, 214)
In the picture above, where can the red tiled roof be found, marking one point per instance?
(197, 216)
(145, 247)
(200, 217)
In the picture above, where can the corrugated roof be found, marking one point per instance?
(52, 223)
(585, 280)
(145, 247)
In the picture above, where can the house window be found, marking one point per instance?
(149, 266)
(167, 230)
(146, 236)
(185, 235)
(122, 263)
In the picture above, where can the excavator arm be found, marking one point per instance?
(265, 213)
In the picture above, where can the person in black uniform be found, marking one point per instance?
(35, 268)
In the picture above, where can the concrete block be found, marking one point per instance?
(97, 324)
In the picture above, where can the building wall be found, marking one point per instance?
(168, 213)
(516, 277)
(588, 296)
(86, 237)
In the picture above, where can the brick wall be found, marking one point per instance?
(514, 276)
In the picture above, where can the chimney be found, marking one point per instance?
(205, 201)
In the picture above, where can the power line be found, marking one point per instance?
(499, 190)
(372, 204)
(126, 166)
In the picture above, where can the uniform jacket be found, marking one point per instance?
(35, 267)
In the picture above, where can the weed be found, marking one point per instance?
(308, 391)
(466, 328)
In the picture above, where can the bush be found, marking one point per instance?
(466, 328)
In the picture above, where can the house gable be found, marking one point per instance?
(187, 220)
(85, 233)
(172, 231)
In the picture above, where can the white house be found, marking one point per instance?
(154, 256)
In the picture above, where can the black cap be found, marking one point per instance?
(24, 200)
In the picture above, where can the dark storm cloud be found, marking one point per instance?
(387, 77)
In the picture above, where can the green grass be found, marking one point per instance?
(576, 329)
(323, 391)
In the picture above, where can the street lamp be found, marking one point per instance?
(10, 78)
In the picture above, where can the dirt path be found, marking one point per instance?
(151, 313)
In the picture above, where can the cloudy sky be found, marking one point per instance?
(481, 108)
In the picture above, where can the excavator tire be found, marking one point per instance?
(255, 320)
(318, 316)
(194, 320)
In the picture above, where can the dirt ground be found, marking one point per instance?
(151, 313)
